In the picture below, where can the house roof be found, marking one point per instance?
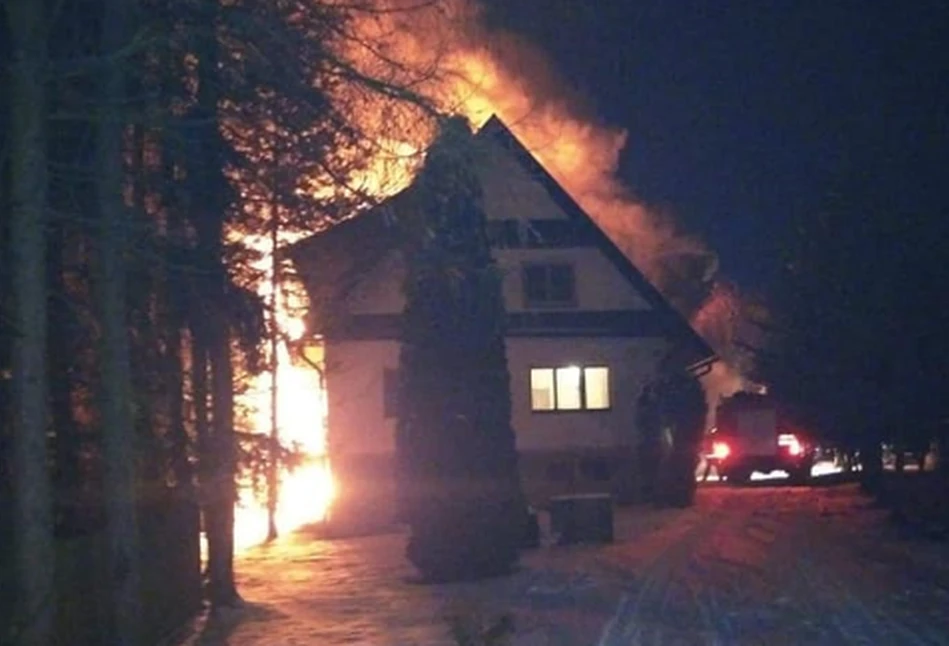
(366, 238)
(500, 133)
(333, 261)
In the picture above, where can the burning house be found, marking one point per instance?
(585, 332)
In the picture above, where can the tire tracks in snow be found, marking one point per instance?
(771, 567)
(733, 574)
(637, 618)
(837, 585)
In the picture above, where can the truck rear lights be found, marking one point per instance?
(790, 441)
(720, 450)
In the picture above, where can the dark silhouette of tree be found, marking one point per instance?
(653, 446)
(153, 142)
(33, 517)
(118, 436)
(672, 415)
(856, 335)
(455, 445)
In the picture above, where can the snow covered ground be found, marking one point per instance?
(759, 565)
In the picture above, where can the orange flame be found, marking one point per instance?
(443, 51)
(306, 491)
(449, 55)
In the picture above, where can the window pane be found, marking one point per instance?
(597, 386)
(568, 388)
(535, 283)
(542, 389)
(561, 286)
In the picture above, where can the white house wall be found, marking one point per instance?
(599, 285)
(631, 362)
(356, 420)
(362, 439)
(357, 423)
(510, 193)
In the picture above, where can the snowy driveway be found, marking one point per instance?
(762, 565)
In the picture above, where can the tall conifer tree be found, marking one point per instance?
(455, 444)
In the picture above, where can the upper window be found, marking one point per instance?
(570, 388)
(549, 285)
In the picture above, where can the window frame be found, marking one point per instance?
(548, 268)
(582, 387)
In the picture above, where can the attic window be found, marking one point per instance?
(549, 285)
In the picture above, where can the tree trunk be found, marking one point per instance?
(210, 188)
(60, 360)
(942, 448)
(174, 370)
(273, 465)
(199, 395)
(871, 463)
(217, 456)
(223, 494)
(33, 519)
(174, 289)
(117, 423)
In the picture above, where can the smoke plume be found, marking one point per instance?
(446, 52)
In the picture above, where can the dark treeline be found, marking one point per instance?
(139, 142)
(858, 326)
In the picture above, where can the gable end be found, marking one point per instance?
(498, 132)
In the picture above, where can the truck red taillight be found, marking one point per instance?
(720, 450)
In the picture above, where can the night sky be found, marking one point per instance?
(743, 114)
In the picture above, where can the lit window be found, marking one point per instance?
(597, 387)
(542, 389)
(549, 285)
(570, 388)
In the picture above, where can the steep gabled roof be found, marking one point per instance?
(361, 242)
(497, 131)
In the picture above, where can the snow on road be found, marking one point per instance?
(761, 565)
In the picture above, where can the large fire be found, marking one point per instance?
(447, 52)
(306, 491)
(443, 50)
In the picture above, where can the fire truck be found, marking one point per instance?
(753, 434)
